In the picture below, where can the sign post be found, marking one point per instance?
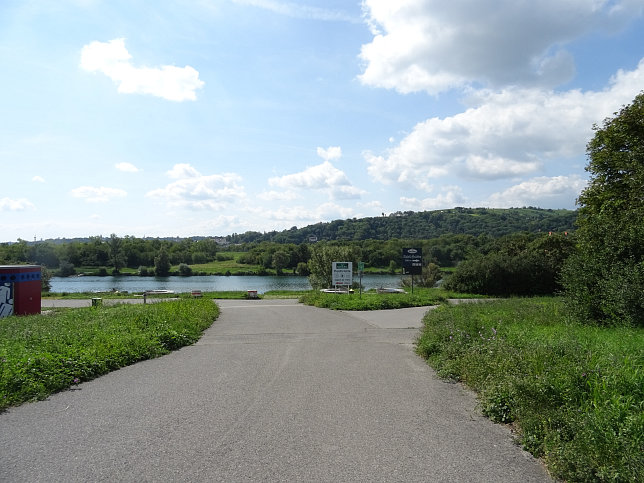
(412, 263)
(342, 274)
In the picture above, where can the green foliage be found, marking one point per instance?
(45, 279)
(423, 225)
(430, 275)
(42, 354)
(519, 264)
(162, 263)
(605, 279)
(322, 257)
(373, 301)
(575, 393)
(66, 269)
(185, 270)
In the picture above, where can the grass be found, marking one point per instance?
(574, 393)
(374, 301)
(42, 354)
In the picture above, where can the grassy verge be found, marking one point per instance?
(40, 355)
(575, 394)
(374, 301)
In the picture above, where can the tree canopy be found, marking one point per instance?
(605, 278)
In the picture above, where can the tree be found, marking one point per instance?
(185, 270)
(281, 259)
(117, 258)
(320, 264)
(604, 279)
(162, 263)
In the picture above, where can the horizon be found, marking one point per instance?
(259, 115)
(175, 237)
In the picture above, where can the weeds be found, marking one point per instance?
(40, 355)
(576, 393)
(373, 301)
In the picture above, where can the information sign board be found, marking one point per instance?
(342, 274)
(412, 261)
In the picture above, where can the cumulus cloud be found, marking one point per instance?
(325, 177)
(127, 167)
(167, 81)
(20, 204)
(38, 179)
(543, 191)
(450, 197)
(273, 195)
(433, 46)
(194, 190)
(303, 215)
(331, 153)
(98, 194)
(503, 134)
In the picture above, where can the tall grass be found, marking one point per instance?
(372, 300)
(574, 393)
(42, 354)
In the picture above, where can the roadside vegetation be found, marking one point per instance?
(372, 300)
(573, 393)
(42, 354)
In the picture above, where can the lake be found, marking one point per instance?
(209, 283)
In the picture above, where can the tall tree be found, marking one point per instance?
(117, 258)
(162, 263)
(605, 278)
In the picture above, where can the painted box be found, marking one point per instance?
(20, 289)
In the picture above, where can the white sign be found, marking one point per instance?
(342, 274)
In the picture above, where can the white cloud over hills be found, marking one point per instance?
(167, 81)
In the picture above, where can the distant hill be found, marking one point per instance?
(423, 225)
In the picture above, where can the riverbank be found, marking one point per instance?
(205, 283)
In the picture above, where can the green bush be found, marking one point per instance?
(605, 280)
(518, 266)
(185, 270)
(575, 393)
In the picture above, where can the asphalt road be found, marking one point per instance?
(274, 391)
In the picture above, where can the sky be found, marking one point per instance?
(212, 117)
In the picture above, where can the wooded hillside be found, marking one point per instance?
(424, 225)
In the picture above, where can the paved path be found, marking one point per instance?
(274, 391)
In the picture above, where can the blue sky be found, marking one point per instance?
(200, 117)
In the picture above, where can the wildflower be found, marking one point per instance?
(76, 380)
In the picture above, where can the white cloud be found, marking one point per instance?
(503, 134)
(98, 194)
(183, 170)
(542, 191)
(38, 179)
(273, 195)
(201, 192)
(433, 46)
(167, 81)
(325, 177)
(331, 153)
(450, 197)
(127, 167)
(299, 214)
(20, 204)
